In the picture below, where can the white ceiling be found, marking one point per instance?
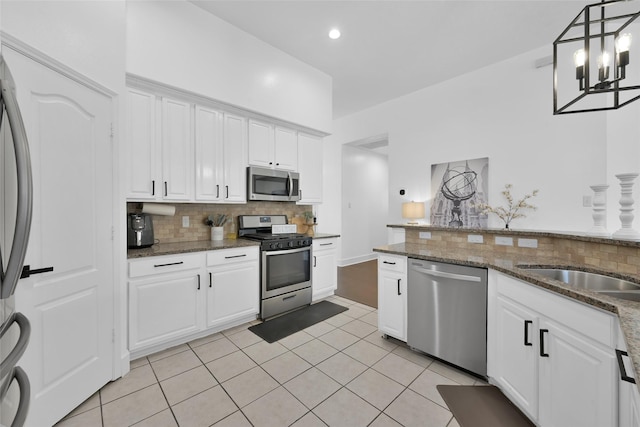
(392, 48)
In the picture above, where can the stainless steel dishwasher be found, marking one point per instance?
(447, 313)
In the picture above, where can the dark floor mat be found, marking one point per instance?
(283, 326)
(482, 406)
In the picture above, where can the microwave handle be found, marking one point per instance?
(290, 185)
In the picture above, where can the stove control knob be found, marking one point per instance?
(291, 244)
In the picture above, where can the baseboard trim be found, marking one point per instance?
(357, 260)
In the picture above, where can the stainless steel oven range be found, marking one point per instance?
(285, 263)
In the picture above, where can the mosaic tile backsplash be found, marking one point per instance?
(169, 229)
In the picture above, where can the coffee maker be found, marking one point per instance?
(139, 230)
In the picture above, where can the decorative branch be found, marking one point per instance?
(512, 209)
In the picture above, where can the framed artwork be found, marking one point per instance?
(456, 188)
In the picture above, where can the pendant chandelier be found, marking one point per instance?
(592, 59)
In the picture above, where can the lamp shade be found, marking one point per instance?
(412, 210)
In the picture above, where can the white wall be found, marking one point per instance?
(365, 183)
(503, 112)
(177, 43)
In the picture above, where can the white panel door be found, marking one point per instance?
(70, 354)
(209, 160)
(325, 272)
(233, 293)
(392, 304)
(177, 151)
(235, 159)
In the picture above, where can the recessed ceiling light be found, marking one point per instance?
(334, 34)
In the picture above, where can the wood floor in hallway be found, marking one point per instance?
(359, 282)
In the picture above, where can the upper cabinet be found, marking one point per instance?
(177, 151)
(142, 154)
(235, 155)
(272, 146)
(310, 168)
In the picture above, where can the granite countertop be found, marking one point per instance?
(628, 312)
(185, 247)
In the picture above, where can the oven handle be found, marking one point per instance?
(286, 251)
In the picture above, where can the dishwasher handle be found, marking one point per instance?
(446, 275)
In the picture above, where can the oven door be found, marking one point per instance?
(285, 271)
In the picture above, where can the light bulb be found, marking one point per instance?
(579, 56)
(623, 42)
(603, 60)
(334, 33)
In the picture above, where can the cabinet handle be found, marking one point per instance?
(277, 164)
(165, 189)
(623, 371)
(227, 191)
(198, 282)
(314, 261)
(542, 353)
(235, 256)
(210, 280)
(217, 191)
(300, 194)
(399, 287)
(270, 163)
(327, 244)
(387, 262)
(153, 187)
(170, 263)
(526, 332)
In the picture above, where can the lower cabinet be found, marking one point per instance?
(392, 296)
(628, 394)
(175, 298)
(325, 268)
(553, 357)
(233, 292)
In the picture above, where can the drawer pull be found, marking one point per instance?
(235, 256)
(168, 264)
(387, 262)
(526, 332)
(542, 352)
(329, 244)
(623, 371)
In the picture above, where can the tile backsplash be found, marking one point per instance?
(169, 229)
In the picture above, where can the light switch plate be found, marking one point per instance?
(474, 238)
(185, 221)
(504, 241)
(425, 235)
(587, 201)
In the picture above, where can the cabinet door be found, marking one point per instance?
(578, 379)
(325, 272)
(515, 367)
(208, 149)
(233, 293)
(235, 159)
(261, 149)
(163, 308)
(392, 304)
(310, 168)
(177, 151)
(286, 149)
(142, 155)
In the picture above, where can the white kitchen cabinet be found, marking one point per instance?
(325, 268)
(560, 368)
(272, 147)
(310, 168)
(160, 143)
(164, 299)
(234, 189)
(177, 151)
(143, 155)
(628, 395)
(209, 161)
(233, 285)
(392, 296)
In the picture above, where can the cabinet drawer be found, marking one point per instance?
(324, 244)
(164, 264)
(392, 263)
(229, 256)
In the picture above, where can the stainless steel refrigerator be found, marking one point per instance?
(16, 199)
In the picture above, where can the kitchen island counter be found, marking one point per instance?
(628, 312)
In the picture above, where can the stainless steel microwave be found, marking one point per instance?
(272, 185)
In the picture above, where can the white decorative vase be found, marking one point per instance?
(217, 233)
(626, 232)
(599, 211)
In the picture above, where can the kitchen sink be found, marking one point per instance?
(605, 285)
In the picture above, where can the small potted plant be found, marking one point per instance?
(513, 208)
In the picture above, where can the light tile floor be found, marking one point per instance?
(340, 372)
